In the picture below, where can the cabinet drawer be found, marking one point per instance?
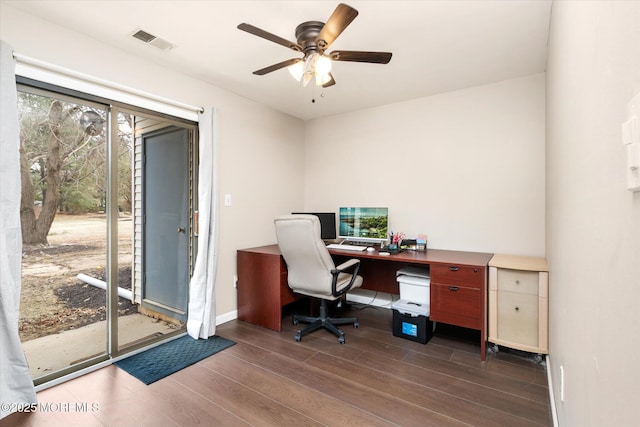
(458, 275)
(456, 305)
(519, 281)
(518, 318)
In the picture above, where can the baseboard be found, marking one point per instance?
(227, 317)
(552, 399)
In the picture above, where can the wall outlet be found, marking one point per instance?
(561, 383)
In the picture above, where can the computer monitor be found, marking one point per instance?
(327, 223)
(364, 224)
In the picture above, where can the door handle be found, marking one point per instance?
(181, 230)
(454, 268)
(453, 288)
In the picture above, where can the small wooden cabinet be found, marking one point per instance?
(458, 296)
(519, 303)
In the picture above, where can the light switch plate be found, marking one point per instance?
(631, 141)
(630, 131)
(633, 167)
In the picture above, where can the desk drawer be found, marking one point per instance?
(518, 318)
(456, 305)
(458, 275)
(525, 282)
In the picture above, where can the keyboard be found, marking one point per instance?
(346, 247)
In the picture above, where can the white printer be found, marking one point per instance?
(411, 311)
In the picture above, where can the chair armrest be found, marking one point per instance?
(352, 263)
(347, 264)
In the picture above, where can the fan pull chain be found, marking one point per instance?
(313, 100)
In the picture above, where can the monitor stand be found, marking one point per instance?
(333, 241)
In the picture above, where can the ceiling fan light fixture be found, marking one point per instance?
(322, 79)
(306, 78)
(322, 70)
(309, 69)
(310, 63)
(315, 67)
(297, 70)
(323, 65)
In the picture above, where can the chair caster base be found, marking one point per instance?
(323, 321)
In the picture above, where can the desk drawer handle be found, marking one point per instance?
(453, 288)
(454, 268)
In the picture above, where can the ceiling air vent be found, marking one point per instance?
(152, 40)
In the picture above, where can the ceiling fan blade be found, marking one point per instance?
(271, 37)
(361, 56)
(338, 21)
(330, 82)
(277, 66)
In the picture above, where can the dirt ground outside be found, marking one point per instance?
(52, 298)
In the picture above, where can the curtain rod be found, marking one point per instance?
(105, 83)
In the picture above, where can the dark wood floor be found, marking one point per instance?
(267, 379)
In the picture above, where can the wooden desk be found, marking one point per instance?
(458, 284)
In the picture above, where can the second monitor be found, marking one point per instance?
(327, 223)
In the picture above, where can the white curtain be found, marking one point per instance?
(16, 385)
(201, 321)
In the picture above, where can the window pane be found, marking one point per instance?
(63, 171)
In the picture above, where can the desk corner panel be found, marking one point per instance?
(262, 288)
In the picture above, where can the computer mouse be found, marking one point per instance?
(370, 249)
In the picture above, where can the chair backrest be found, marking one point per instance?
(308, 261)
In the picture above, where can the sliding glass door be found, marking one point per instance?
(63, 158)
(83, 228)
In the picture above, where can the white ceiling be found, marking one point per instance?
(437, 46)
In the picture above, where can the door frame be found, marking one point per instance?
(112, 213)
(148, 305)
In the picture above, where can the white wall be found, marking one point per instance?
(593, 222)
(261, 150)
(464, 167)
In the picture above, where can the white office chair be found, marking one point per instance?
(312, 272)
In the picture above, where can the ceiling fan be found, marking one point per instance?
(313, 39)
